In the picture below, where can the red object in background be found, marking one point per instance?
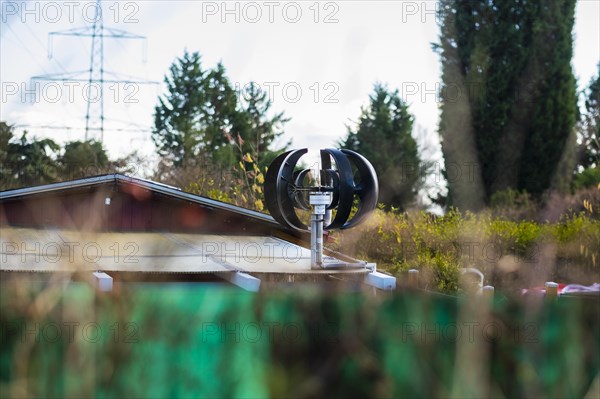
(563, 289)
(540, 290)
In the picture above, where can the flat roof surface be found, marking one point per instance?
(54, 250)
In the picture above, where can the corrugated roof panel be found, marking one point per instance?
(251, 253)
(65, 250)
(255, 254)
(31, 250)
(70, 250)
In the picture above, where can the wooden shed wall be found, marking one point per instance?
(132, 208)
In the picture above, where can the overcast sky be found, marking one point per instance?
(318, 61)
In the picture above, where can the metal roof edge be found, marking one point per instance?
(144, 183)
(86, 181)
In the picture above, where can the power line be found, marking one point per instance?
(43, 45)
(55, 127)
(94, 118)
(26, 48)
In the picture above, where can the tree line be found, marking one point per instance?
(27, 161)
(509, 120)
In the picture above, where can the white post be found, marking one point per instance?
(103, 281)
(413, 278)
(488, 293)
(551, 290)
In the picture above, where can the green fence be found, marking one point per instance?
(200, 340)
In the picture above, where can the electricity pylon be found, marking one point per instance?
(94, 117)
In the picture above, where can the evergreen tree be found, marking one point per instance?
(6, 172)
(509, 102)
(589, 148)
(259, 130)
(26, 162)
(383, 135)
(192, 118)
(83, 159)
(221, 118)
(587, 173)
(200, 116)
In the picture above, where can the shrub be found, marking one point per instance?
(512, 254)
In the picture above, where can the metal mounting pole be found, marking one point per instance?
(319, 202)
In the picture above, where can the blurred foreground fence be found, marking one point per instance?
(195, 340)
